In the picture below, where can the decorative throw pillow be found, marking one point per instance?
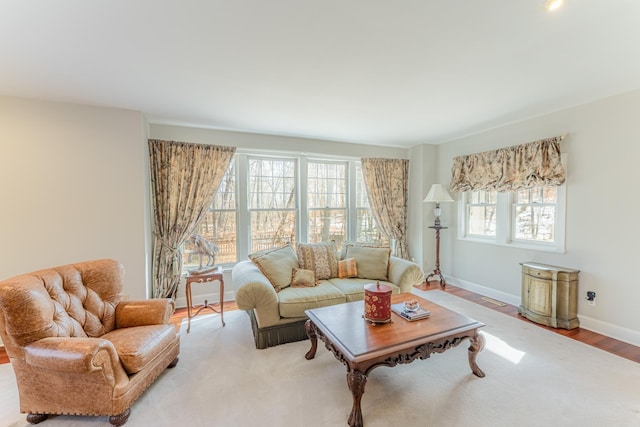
(347, 268)
(319, 257)
(373, 263)
(277, 264)
(301, 278)
(348, 243)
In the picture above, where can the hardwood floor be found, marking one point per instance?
(594, 339)
(602, 342)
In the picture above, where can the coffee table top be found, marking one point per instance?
(359, 339)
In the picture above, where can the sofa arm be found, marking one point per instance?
(405, 274)
(144, 312)
(76, 355)
(253, 291)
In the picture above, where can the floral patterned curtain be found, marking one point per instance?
(507, 169)
(184, 180)
(387, 183)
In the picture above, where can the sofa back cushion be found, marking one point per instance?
(75, 300)
(372, 263)
(277, 265)
(351, 243)
(319, 257)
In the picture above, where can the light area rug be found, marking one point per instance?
(533, 378)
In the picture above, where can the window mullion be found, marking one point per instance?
(503, 216)
(352, 209)
(243, 215)
(303, 201)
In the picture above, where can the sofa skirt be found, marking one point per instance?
(276, 334)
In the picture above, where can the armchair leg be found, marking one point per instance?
(36, 418)
(118, 420)
(173, 363)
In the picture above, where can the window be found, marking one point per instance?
(535, 214)
(272, 202)
(366, 228)
(219, 223)
(327, 201)
(260, 205)
(529, 218)
(481, 213)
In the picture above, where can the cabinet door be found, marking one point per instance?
(540, 296)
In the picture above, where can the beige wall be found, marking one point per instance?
(253, 141)
(602, 230)
(72, 188)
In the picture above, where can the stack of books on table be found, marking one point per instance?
(418, 314)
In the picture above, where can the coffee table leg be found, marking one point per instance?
(477, 344)
(356, 381)
(311, 333)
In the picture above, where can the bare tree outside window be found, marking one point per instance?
(535, 214)
(327, 201)
(272, 202)
(481, 208)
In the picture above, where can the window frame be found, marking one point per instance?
(467, 206)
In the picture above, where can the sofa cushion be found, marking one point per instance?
(373, 263)
(347, 268)
(292, 302)
(319, 257)
(277, 265)
(301, 278)
(351, 243)
(139, 345)
(353, 289)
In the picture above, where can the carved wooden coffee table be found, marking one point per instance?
(362, 346)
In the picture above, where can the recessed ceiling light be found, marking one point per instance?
(552, 5)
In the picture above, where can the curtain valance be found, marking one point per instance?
(528, 165)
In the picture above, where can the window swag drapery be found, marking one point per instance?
(387, 183)
(528, 165)
(184, 180)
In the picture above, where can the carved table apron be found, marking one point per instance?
(362, 346)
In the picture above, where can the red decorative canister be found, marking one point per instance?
(377, 303)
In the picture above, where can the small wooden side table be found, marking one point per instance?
(212, 276)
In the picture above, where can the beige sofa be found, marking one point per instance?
(277, 314)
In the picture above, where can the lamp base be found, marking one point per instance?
(436, 275)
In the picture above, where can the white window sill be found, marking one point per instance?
(532, 246)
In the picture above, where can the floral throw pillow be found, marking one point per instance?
(319, 257)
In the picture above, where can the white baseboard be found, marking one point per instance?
(618, 332)
(483, 290)
(608, 329)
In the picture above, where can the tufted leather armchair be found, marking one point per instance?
(76, 347)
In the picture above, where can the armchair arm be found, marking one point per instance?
(144, 312)
(254, 292)
(405, 274)
(77, 355)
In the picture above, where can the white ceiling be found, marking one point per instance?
(382, 72)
